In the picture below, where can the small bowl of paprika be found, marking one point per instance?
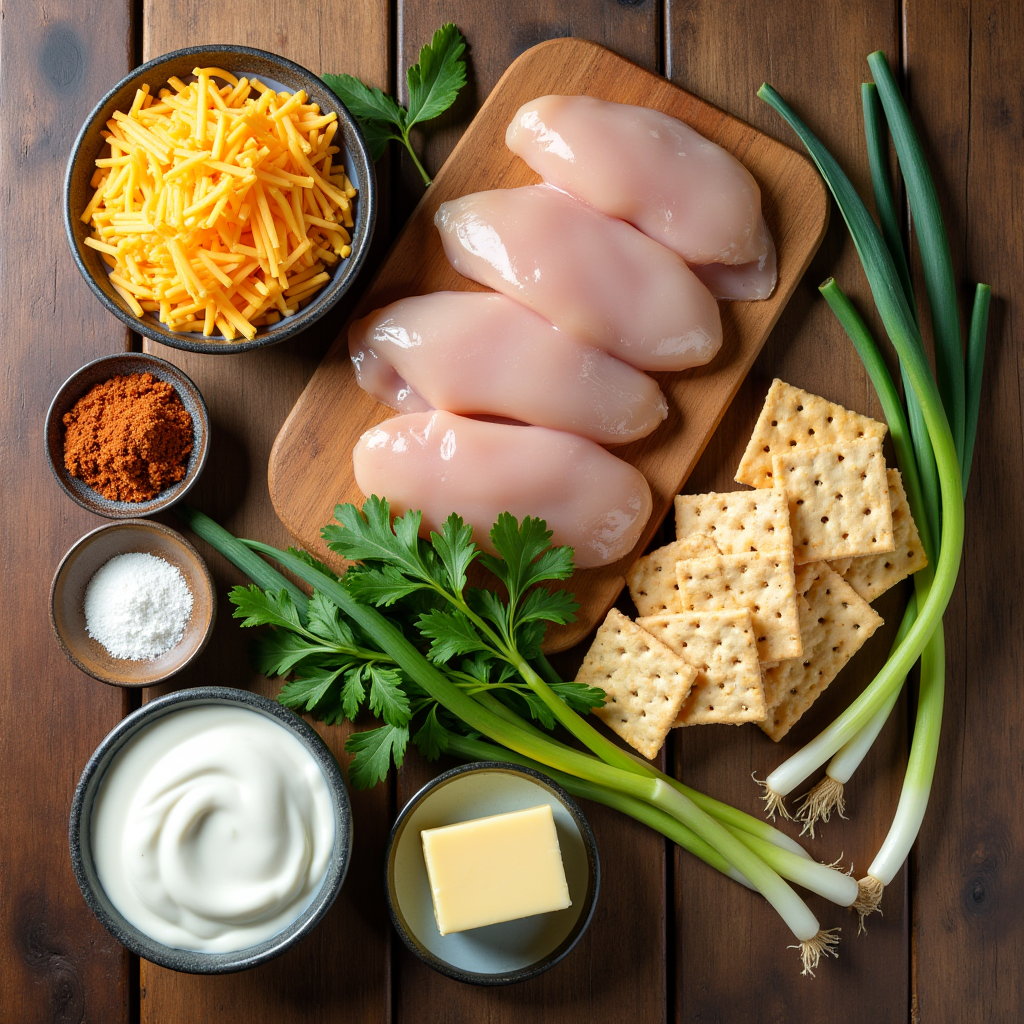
(127, 435)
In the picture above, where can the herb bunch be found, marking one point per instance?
(483, 639)
(433, 83)
(460, 658)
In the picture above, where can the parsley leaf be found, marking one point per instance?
(324, 619)
(527, 556)
(373, 751)
(278, 652)
(369, 536)
(365, 102)
(451, 633)
(436, 80)
(433, 83)
(380, 586)
(432, 737)
(262, 608)
(387, 699)
(454, 546)
(307, 692)
(580, 697)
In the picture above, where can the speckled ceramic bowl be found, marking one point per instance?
(499, 954)
(97, 372)
(272, 70)
(190, 961)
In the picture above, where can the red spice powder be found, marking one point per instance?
(128, 438)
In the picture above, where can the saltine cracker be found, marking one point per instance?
(645, 681)
(834, 623)
(792, 418)
(838, 500)
(720, 645)
(762, 583)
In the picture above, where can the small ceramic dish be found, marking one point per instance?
(272, 70)
(499, 954)
(98, 372)
(81, 563)
(80, 837)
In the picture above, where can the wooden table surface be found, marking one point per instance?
(671, 940)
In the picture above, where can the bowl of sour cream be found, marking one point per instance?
(211, 830)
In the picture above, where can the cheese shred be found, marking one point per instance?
(219, 207)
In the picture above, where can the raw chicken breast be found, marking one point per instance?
(481, 353)
(592, 276)
(755, 280)
(442, 463)
(647, 168)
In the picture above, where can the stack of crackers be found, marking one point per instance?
(764, 597)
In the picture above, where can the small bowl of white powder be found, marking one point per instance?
(132, 603)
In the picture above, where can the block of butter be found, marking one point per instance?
(495, 869)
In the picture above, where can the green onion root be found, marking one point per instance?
(822, 944)
(868, 901)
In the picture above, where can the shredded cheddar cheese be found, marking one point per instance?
(218, 207)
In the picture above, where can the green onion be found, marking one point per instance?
(975, 367)
(905, 336)
(920, 766)
(827, 795)
(477, 750)
(936, 263)
(885, 206)
(236, 552)
(812, 939)
(940, 447)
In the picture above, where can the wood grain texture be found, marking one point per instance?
(598, 982)
(617, 971)
(342, 971)
(725, 957)
(311, 464)
(56, 961)
(963, 85)
(816, 63)
(632, 28)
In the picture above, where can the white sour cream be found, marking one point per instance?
(212, 829)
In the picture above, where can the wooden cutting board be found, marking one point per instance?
(311, 462)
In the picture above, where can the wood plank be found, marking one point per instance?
(342, 971)
(311, 464)
(963, 79)
(629, 28)
(731, 960)
(56, 961)
(598, 981)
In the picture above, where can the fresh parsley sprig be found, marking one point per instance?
(482, 642)
(433, 84)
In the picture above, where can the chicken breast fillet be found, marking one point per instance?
(478, 353)
(745, 281)
(647, 168)
(441, 463)
(592, 276)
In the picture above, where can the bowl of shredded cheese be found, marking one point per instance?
(220, 199)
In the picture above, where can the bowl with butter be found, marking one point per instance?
(211, 830)
(492, 874)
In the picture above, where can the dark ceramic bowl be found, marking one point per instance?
(499, 954)
(83, 561)
(239, 60)
(96, 372)
(190, 961)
